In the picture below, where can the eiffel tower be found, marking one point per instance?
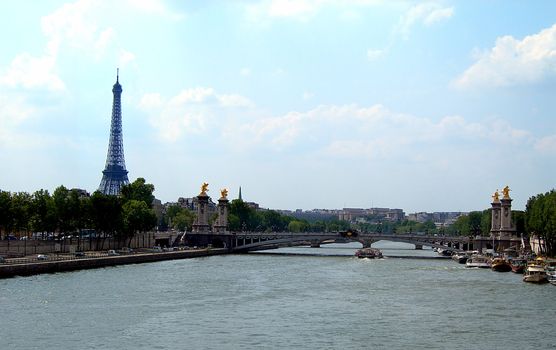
(114, 176)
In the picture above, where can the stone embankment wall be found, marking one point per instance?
(10, 270)
(22, 248)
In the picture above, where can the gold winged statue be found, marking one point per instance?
(506, 192)
(496, 197)
(204, 188)
(224, 192)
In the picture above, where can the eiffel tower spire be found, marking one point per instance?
(114, 175)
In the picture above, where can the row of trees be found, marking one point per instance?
(540, 219)
(241, 217)
(69, 211)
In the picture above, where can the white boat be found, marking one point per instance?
(535, 274)
(551, 274)
(369, 253)
(479, 261)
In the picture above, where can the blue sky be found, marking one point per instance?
(425, 106)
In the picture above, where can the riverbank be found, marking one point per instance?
(39, 267)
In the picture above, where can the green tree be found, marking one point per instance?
(180, 218)
(21, 211)
(43, 212)
(297, 226)
(247, 218)
(183, 220)
(65, 221)
(106, 215)
(540, 219)
(6, 217)
(486, 221)
(139, 190)
(137, 217)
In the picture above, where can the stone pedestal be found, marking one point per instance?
(495, 221)
(221, 224)
(201, 221)
(506, 229)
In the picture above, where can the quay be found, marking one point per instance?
(93, 262)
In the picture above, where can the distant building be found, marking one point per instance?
(440, 219)
(371, 215)
(191, 204)
(81, 192)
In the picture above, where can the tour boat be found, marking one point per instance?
(479, 261)
(535, 274)
(500, 265)
(551, 274)
(369, 253)
(518, 265)
(460, 257)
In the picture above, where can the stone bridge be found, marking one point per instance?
(241, 242)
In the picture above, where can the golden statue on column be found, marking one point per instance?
(204, 189)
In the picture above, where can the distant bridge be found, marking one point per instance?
(242, 242)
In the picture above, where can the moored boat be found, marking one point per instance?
(500, 265)
(518, 265)
(369, 253)
(535, 273)
(479, 261)
(460, 257)
(551, 274)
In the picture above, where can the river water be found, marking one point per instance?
(268, 301)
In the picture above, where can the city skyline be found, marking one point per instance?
(426, 106)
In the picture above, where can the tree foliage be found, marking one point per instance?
(179, 218)
(540, 219)
(139, 190)
(67, 211)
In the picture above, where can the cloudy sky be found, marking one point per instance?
(424, 106)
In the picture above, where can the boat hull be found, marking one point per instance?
(478, 261)
(535, 274)
(535, 279)
(368, 253)
(501, 265)
(518, 269)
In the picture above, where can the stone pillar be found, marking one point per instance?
(221, 224)
(506, 228)
(495, 222)
(201, 221)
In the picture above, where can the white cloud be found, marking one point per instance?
(157, 7)
(303, 10)
(13, 110)
(73, 24)
(245, 72)
(512, 62)
(438, 15)
(234, 100)
(307, 95)
(427, 13)
(192, 111)
(125, 58)
(297, 9)
(546, 144)
(374, 54)
(371, 132)
(32, 72)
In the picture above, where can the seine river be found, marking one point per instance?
(267, 301)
